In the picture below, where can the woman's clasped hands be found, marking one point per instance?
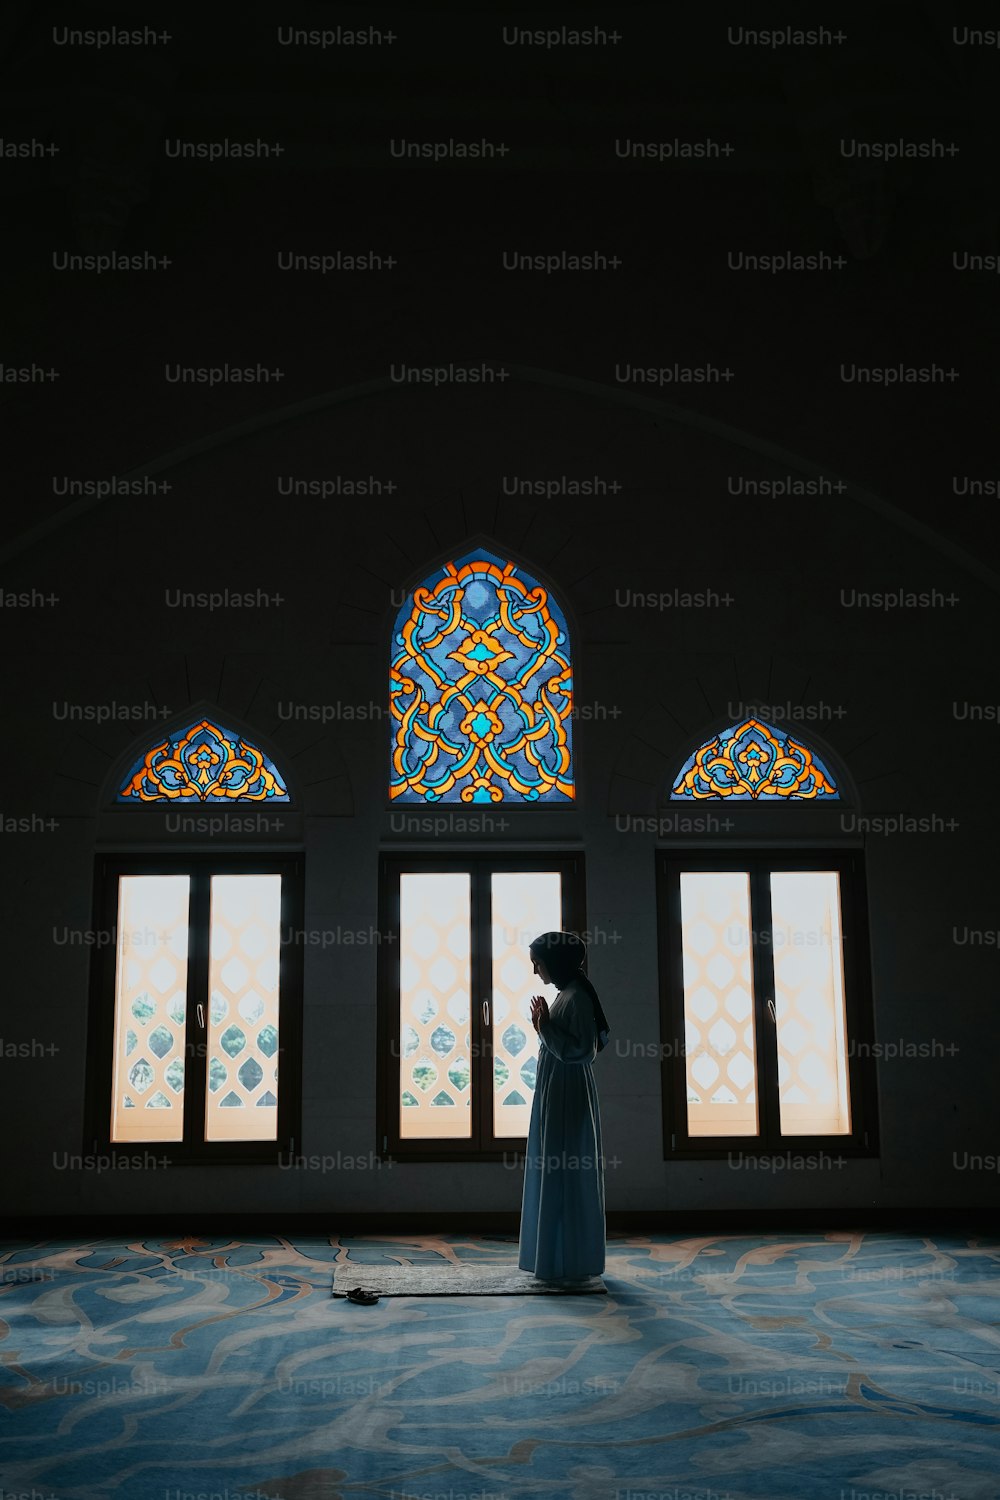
(539, 1010)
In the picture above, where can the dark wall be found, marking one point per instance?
(902, 500)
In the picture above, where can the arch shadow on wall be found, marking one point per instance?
(661, 411)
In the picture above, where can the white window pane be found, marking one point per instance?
(147, 1101)
(525, 904)
(241, 1088)
(718, 1003)
(435, 978)
(809, 1002)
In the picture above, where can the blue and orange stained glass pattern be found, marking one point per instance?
(750, 761)
(481, 689)
(205, 763)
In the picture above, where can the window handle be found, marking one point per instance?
(201, 1017)
(486, 1012)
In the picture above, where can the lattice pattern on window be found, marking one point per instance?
(435, 982)
(244, 953)
(481, 689)
(204, 762)
(525, 904)
(809, 1003)
(751, 761)
(718, 1003)
(150, 1008)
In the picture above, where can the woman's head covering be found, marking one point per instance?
(564, 955)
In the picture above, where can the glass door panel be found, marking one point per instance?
(813, 1092)
(718, 1003)
(525, 904)
(147, 1102)
(241, 1086)
(435, 980)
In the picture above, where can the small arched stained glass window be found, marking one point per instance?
(754, 762)
(204, 762)
(481, 689)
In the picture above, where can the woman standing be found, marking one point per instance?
(562, 1208)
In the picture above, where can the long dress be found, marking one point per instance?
(562, 1207)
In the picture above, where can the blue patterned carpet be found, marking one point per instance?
(848, 1366)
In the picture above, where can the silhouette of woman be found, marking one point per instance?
(562, 1208)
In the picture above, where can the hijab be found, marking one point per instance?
(564, 955)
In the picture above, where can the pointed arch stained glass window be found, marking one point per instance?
(204, 762)
(481, 689)
(751, 761)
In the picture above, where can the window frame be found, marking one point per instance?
(757, 861)
(200, 865)
(480, 865)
